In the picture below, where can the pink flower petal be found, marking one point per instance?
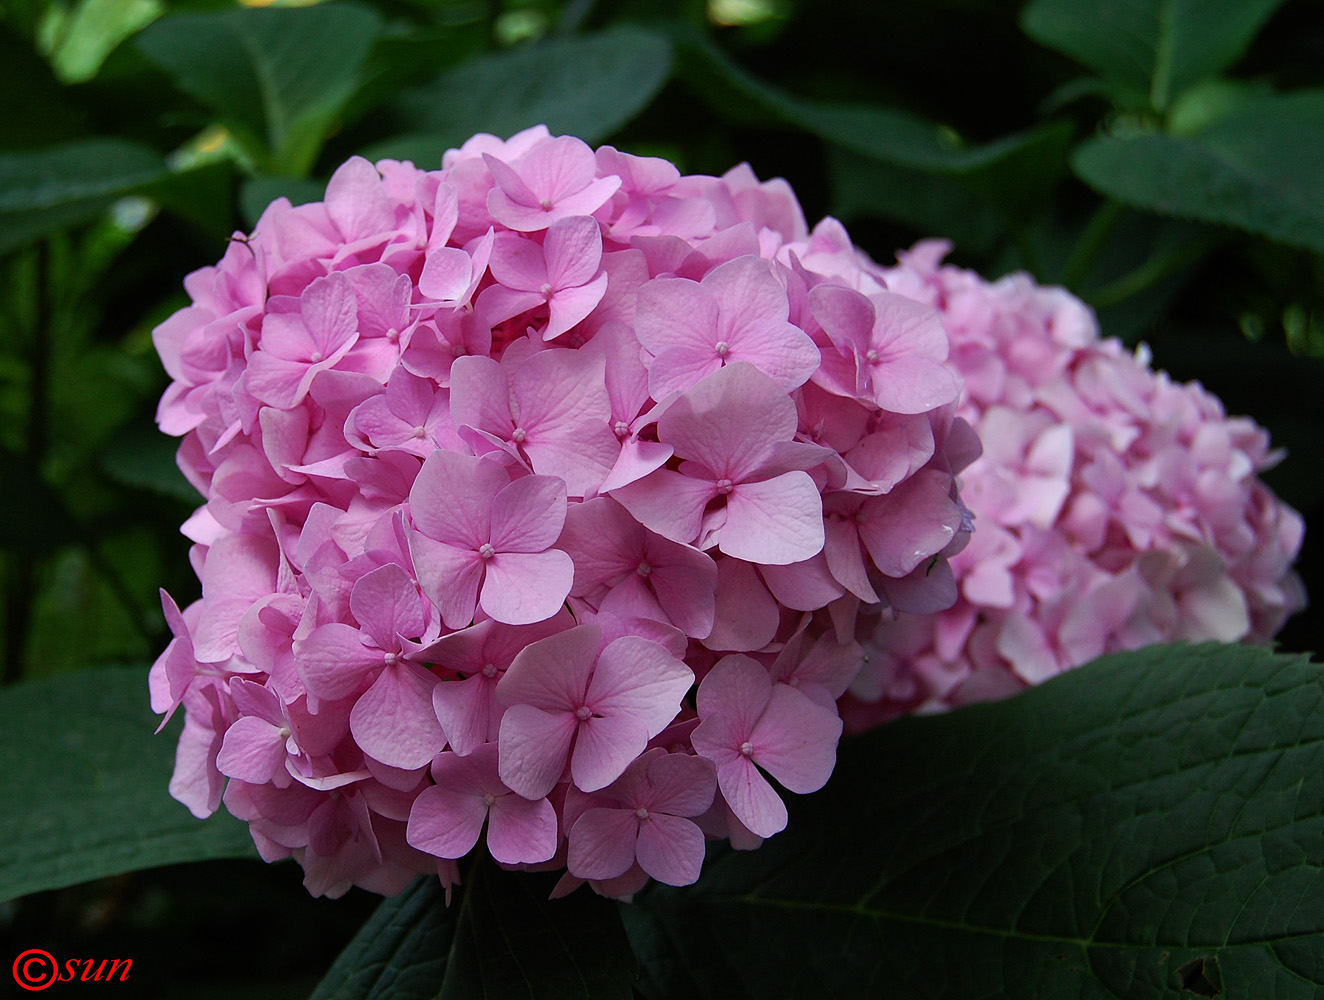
(520, 831)
(526, 587)
(670, 849)
(535, 746)
(602, 843)
(446, 823)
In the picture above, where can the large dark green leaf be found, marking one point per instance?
(84, 780)
(1259, 167)
(1011, 173)
(279, 78)
(52, 189)
(1151, 821)
(1151, 50)
(501, 938)
(587, 86)
(35, 110)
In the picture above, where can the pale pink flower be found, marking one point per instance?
(748, 723)
(571, 702)
(645, 815)
(447, 818)
(483, 540)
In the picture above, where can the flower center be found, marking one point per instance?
(641, 812)
(644, 569)
(486, 551)
(488, 799)
(871, 356)
(546, 204)
(392, 335)
(317, 356)
(621, 429)
(545, 291)
(390, 659)
(420, 432)
(724, 486)
(519, 435)
(747, 748)
(583, 712)
(722, 348)
(489, 670)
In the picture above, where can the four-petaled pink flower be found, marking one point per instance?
(476, 528)
(564, 274)
(748, 720)
(644, 815)
(447, 818)
(738, 312)
(597, 708)
(735, 433)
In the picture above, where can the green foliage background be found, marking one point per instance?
(1164, 159)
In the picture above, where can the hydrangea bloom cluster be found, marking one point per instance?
(544, 494)
(1113, 507)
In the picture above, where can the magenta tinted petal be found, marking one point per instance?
(729, 421)
(739, 687)
(774, 521)
(681, 784)
(393, 720)
(602, 843)
(669, 503)
(451, 499)
(745, 616)
(253, 751)
(449, 576)
(527, 515)
(605, 747)
(333, 661)
(754, 801)
(535, 746)
(520, 831)
(445, 823)
(670, 849)
(637, 677)
(552, 673)
(795, 740)
(465, 710)
(573, 249)
(526, 587)
(387, 606)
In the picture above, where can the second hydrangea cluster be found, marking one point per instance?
(1114, 508)
(547, 494)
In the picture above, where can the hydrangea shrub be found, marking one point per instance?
(1114, 507)
(546, 498)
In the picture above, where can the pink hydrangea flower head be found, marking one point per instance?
(1114, 507)
(497, 459)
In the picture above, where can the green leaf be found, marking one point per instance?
(926, 203)
(90, 32)
(52, 189)
(84, 783)
(1146, 821)
(1010, 173)
(1259, 167)
(144, 458)
(587, 86)
(35, 109)
(1151, 50)
(277, 77)
(501, 938)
